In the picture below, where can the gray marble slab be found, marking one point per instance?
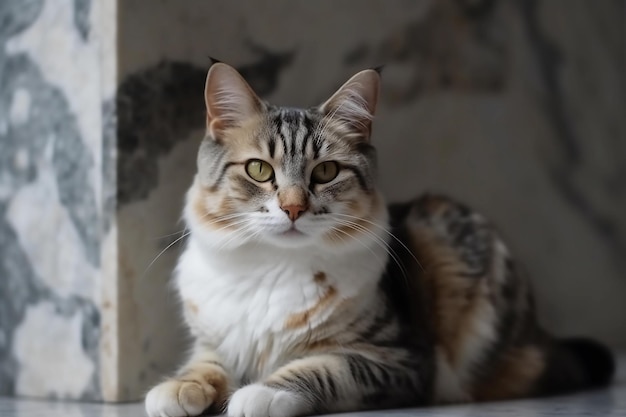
(608, 403)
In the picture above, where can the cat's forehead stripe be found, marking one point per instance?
(271, 144)
(291, 132)
(293, 128)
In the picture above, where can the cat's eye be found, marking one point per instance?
(259, 170)
(325, 172)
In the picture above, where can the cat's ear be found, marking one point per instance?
(354, 104)
(229, 99)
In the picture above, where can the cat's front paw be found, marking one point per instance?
(258, 400)
(174, 398)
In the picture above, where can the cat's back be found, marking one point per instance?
(472, 297)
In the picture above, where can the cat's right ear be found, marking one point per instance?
(229, 100)
(354, 104)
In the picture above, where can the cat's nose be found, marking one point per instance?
(294, 211)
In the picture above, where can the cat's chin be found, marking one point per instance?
(291, 239)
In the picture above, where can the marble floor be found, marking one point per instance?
(609, 402)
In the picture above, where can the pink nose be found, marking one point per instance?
(293, 211)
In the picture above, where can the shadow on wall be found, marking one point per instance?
(159, 106)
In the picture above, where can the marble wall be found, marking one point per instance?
(51, 197)
(515, 106)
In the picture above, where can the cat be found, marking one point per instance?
(306, 294)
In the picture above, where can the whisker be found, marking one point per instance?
(163, 251)
(238, 234)
(187, 233)
(171, 234)
(336, 229)
(386, 231)
(380, 242)
(222, 218)
(231, 224)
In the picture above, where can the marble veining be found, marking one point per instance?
(569, 168)
(81, 17)
(460, 46)
(49, 210)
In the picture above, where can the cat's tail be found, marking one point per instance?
(575, 364)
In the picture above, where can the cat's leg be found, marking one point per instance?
(329, 383)
(200, 384)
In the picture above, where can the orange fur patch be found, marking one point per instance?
(366, 208)
(354, 207)
(456, 300)
(262, 360)
(205, 380)
(323, 344)
(245, 136)
(191, 306)
(317, 339)
(319, 277)
(513, 376)
(299, 320)
(212, 219)
(461, 308)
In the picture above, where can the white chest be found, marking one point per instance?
(254, 306)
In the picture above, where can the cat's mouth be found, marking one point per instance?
(292, 232)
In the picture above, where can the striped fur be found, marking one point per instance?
(346, 304)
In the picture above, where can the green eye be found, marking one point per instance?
(325, 172)
(259, 170)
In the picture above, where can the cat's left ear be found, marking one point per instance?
(354, 104)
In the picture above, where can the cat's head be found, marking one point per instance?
(283, 176)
